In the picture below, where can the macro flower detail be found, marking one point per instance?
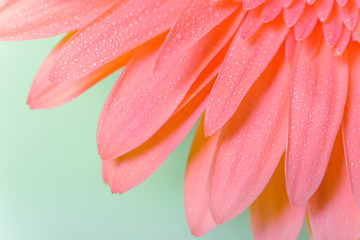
(274, 83)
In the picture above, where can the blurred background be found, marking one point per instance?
(50, 177)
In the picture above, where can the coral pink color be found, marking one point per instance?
(275, 81)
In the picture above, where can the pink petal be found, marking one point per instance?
(293, 12)
(317, 99)
(271, 215)
(341, 2)
(356, 32)
(251, 23)
(132, 168)
(270, 10)
(244, 62)
(250, 144)
(333, 212)
(142, 100)
(32, 19)
(45, 94)
(287, 3)
(290, 47)
(313, 41)
(121, 29)
(332, 28)
(195, 22)
(344, 39)
(195, 184)
(208, 74)
(351, 125)
(323, 9)
(349, 14)
(306, 24)
(250, 4)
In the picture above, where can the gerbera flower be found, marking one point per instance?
(268, 76)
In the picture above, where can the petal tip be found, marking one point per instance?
(296, 199)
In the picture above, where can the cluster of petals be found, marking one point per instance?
(275, 83)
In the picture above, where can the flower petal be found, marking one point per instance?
(251, 23)
(245, 61)
(356, 32)
(349, 14)
(250, 4)
(333, 212)
(351, 125)
(46, 94)
(323, 9)
(195, 22)
(132, 168)
(131, 113)
(341, 3)
(121, 29)
(332, 28)
(344, 39)
(317, 99)
(271, 215)
(293, 12)
(308, 227)
(270, 10)
(208, 74)
(32, 19)
(290, 47)
(306, 24)
(250, 144)
(195, 184)
(287, 3)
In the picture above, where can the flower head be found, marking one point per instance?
(275, 80)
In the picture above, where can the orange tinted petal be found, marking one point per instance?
(271, 215)
(197, 173)
(333, 212)
(132, 168)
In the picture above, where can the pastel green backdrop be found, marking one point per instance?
(50, 173)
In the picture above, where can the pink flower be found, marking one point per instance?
(270, 76)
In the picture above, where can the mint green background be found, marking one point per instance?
(50, 178)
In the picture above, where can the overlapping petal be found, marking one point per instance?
(132, 168)
(293, 12)
(46, 94)
(270, 74)
(196, 20)
(317, 99)
(245, 61)
(197, 172)
(271, 215)
(306, 24)
(132, 112)
(33, 19)
(333, 212)
(271, 9)
(122, 28)
(250, 144)
(351, 124)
